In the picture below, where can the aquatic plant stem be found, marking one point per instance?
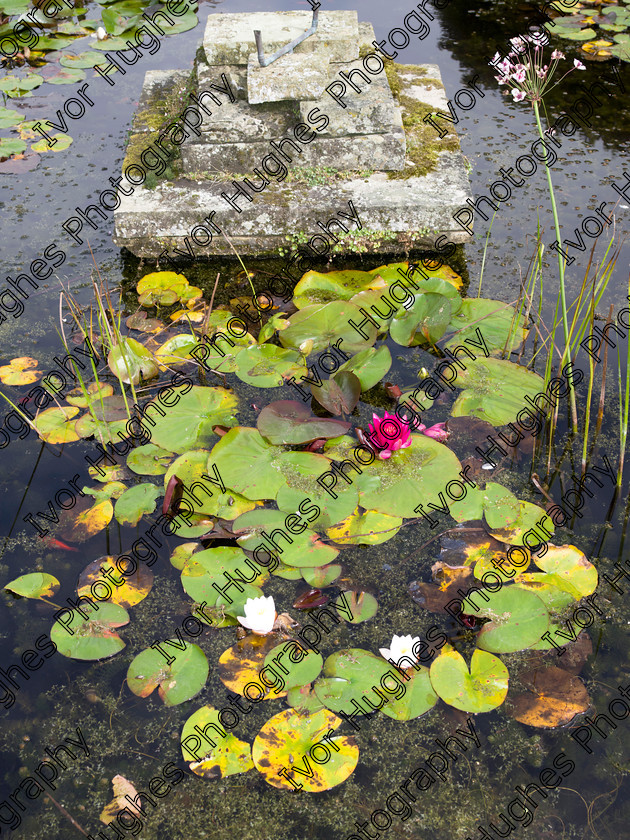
(561, 266)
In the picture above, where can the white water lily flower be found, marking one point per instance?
(401, 646)
(101, 34)
(260, 615)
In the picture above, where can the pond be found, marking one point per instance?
(473, 756)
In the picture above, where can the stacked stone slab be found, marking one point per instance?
(367, 154)
(273, 99)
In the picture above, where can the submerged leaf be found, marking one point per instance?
(554, 698)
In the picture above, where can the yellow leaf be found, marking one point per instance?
(122, 787)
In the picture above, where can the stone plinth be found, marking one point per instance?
(270, 170)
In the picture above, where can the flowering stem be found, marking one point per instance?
(561, 267)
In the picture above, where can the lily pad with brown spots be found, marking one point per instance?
(553, 698)
(241, 664)
(215, 756)
(292, 742)
(133, 587)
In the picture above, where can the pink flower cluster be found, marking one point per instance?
(529, 76)
(388, 434)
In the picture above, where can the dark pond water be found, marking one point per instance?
(137, 738)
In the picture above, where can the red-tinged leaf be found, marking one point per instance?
(220, 430)
(393, 390)
(173, 484)
(310, 599)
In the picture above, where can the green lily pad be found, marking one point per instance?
(425, 322)
(575, 34)
(176, 351)
(350, 675)
(68, 76)
(495, 390)
(501, 507)
(135, 502)
(291, 422)
(177, 682)
(481, 689)
(265, 365)
(91, 638)
(331, 511)
(258, 470)
(323, 287)
(9, 117)
(419, 696)
(570, 570)
(544, 586)
(398, 485)
(305, 550)
(34, 585)
(228, 756)
(518, 619)
(369, 366)
(320, 576)
(287, 572)
(111, 490)
(182, 554)
(115, 23)
(209, 567)
(361, 605)
(184, 22)
(82, 60)
(323, 325)
(188, 424)
(149, 460)
(303, 665)
(290, 740)
(499, 324)
(367, 528)
(303, 699)
(528, 518)
(130, 361)
(11, 146)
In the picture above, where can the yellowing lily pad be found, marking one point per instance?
(215, 756)
(127, 590)
(554, 698)
(367, 528)
(241, 664)
(63, 141)
(481, 689)
(176, 682)
(34, 585)
(85, 520)
(528, 518)
(164, 288)
(53, 424)
(291, 741)
(20, 371)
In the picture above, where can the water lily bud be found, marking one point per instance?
(101, 34)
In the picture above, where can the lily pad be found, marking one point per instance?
(361, 605)
(241, 664)
(554, 698)
(177, 682)
(34, 585)
(164, 288)
(369, 365)
(133, 587)
(425, 322)
(323, 287)
(130, 361)
(53, 424)
(189, 423)
(228, 756)
(82, 60)
(9, 117)
(21, 371)
(303, 665)
(501, 507)
(291, 422)
(567, 569)
(498, 322)
(211, 566)
(321, 575)
(339, 394)
(367, 528)
(149, 460)
(481, 689)
(323, 325)
(306, 548)
(265, 365)
(419, 696)
(95, 393)
(67, 76)
(495, 390)
(135, 502)
(518, 619)
(85, 520)
(528, 518)
(350, 675)
(91, 638)
(61, 144)
(293, 741)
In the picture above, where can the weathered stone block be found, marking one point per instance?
(240, 122)
(229, 38)
(373, 111)
(384, 152)
(236, 75)
(292, 77)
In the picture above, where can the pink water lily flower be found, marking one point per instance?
(437, 431)
(388, 434)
